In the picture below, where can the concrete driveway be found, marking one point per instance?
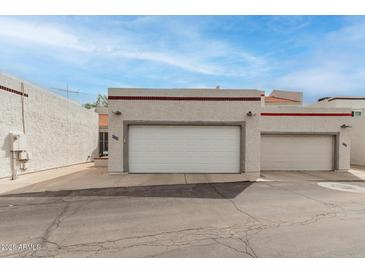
(110, 218)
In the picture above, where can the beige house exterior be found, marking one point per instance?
(178, 131)
(221, 131)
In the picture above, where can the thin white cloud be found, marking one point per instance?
(335, 66)
(287, 24)
(324, 80)
(314, 81)
(349, 34)
(40, 34)
(167, 59)
(195, 53)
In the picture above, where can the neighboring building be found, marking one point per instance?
(357, 105)
(221, 131)
(103, 131)
(284, 98)
(40, 130)
(101, 159)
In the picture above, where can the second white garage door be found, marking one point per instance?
(184, 149)
(297, 152)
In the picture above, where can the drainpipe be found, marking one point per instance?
(13, 165)
(23, 115)
(14, 153)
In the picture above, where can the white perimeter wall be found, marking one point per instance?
(59, 132)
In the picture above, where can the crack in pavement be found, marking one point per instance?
(332, 213)
(248, 249)
(246, 252)
(248, 244)
(327, 204)
(313, 219)
(101, 244)
(44, 239)
(175, 249)
(233, 203)
(188, 237)
(60, 201)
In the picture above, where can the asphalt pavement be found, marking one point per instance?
(290, 218)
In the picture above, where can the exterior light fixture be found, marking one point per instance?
(346, 126)
(117, 112)
(250, 114)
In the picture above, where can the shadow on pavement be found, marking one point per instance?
(205, 190)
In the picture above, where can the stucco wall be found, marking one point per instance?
(324, 104)
(354, 104)
(191, 112)
(312, 125)
(357, 131)
(275, 104)
(358, 140)
(59, 132)
(358, 127)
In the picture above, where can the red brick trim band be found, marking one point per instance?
(179, 98)
(12, 91)
(305, 114)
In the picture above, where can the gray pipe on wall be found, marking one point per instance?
(23, 114)
(14, 153)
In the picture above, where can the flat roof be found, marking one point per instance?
(185, 92)
(275, 99)
(342, 98)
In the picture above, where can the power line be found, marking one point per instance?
(68, 91)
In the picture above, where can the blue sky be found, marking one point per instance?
(319, 55)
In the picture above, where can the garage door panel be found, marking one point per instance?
(190, 149)
(297, 152)
(168, 148)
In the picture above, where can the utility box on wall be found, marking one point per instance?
(19, 141)
(24, 156)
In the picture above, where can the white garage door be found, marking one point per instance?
(297, 152)
(184, 149)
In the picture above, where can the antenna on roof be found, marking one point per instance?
(68, 91)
